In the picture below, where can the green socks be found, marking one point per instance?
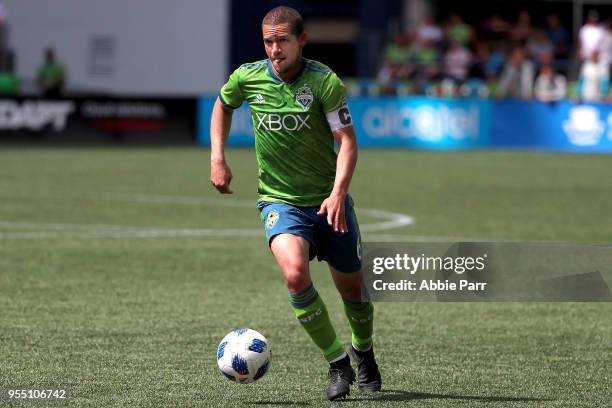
(361, 319)
(312, 315)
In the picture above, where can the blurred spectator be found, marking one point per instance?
(550, 86)
(398, 52)
(488, 64)
(478, 70)
(495, 27)
(429, 32)
(605, 55)
(51, 76)
(398, 56)
(594, 79)
(427, 58)
(590, 36)
(457, 30)
(397, 63)
(539, 46)
(558, 35)
(517, 78)
(436, 62)
(496, 62)
(9, 83)
(457, 60)
(385, 79)
(522, 30)
(4, 38)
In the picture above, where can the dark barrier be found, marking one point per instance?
(98, 120)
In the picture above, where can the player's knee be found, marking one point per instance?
(350, 289)
(352, 293)
(296, 277)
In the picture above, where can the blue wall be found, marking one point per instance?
(561, 126)
(448, 124)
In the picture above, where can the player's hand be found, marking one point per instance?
(333, 206)
(221, 176)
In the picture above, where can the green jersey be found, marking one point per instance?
(51, 74)
(292, 122)
(9, 84)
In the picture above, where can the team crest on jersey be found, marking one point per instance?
(304, 96)
(272, 218)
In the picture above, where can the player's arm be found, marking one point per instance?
(230, 98)
(347, 159)
(220, 124)
(344, 134)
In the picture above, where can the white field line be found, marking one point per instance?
(425, 238)
(390, 220)
(173, 233)
(181, 200)
(131, 233)
(62, 226)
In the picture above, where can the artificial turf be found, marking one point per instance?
(121, 269)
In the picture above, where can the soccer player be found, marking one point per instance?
(298, 110)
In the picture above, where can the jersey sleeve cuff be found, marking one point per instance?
(226, 104)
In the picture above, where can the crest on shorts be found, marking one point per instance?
(272, 218)
(304, 96)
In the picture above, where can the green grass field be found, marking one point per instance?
(121, 269)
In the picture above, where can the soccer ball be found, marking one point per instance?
(244, 356)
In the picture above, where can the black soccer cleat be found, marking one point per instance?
(368, 373)
(341, 376)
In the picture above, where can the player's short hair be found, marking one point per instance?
(285, 15)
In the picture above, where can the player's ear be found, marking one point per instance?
(302, 39)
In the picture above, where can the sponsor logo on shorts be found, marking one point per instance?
(272, 218)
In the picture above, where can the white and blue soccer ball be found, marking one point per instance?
(244, 356)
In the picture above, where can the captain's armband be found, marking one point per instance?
(339, 118)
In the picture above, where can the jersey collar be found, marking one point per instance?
(292, 80)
